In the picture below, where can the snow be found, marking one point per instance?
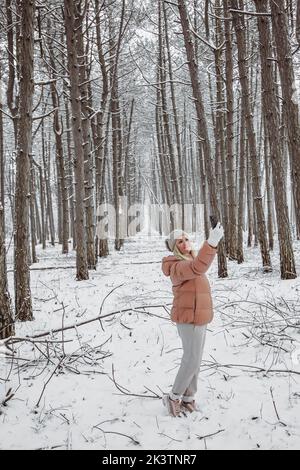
(82, 408)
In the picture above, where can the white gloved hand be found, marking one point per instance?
(215, 235)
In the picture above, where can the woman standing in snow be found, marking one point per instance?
(192, 310)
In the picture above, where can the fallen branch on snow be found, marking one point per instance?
(127, 392)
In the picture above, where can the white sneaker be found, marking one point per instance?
(173, 406)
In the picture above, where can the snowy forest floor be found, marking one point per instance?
(249, 386)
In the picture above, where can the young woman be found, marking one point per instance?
(192, 310)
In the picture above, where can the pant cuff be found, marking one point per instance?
(174, 396)
(188, 399)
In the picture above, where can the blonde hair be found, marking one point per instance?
(181, 256)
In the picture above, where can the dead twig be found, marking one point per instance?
(127, 392)
(210, 435)
(120, 434)
(102, 303)
(247, 366)
(9, 395)
(275, 407)
(45, 385)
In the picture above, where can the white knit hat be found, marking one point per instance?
(172, 237)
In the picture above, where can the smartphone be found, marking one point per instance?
(213, 220)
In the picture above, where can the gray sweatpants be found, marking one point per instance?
(193, 340)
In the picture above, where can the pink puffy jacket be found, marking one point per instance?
(192, 301)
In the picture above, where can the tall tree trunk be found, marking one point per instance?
(202, 127)
(220, 123)
(165, 112)
(62, 183)
(117, 149)
(290, 103)
(23, 306)
(36, 209)
(176, 119)
(99, 128)
(239, 26)
(47, 177)
(87, 151)
(103, 243)
(271, 113)
(298, 22)
(42, 204)
(268, 187)
(250, 214)
(242, 177)
(71, 35)
(70, 179)
(160, 151)
(6, 313)
(232, 228)
(13, 64)
(32, 214)
(117, 161)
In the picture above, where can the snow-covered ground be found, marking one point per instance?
(102, 388)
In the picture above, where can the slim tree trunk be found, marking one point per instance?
(298, 22)
(165, 112)
(250, 215)
(70, 179)
(242, 176)
(47, 178)
(13, 63)
(220, 125)
(32, 215)
(58, 131)
(160, 151)
(175, 114)
(99, 130)
(103, 243)
(232, 228)
(117, 149)
(42, 204)
(36, 209)
(6, 313)
(268, 187)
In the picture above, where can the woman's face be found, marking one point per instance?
(183, 244)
